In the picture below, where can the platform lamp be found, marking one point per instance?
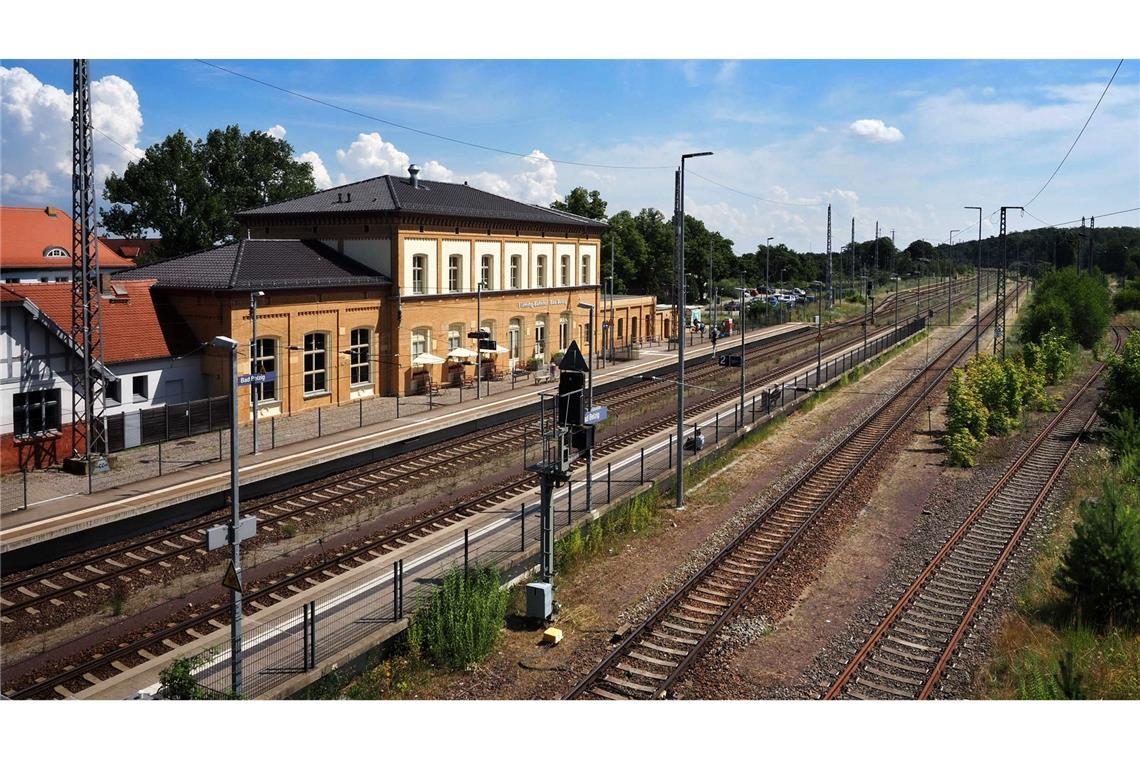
(231, 345)
(589, 307)
(255, 362)
(818, 286)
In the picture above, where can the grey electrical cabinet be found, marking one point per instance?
(539, 600)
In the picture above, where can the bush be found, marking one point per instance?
(996, 391)
(1071, 302)
(176, 681)
(1052, 356)
(966, 421)
(1122, 382)
(1100, 570)
(1127, 299)
(460, 623)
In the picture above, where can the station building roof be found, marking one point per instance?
(393, 195)
(259, 265)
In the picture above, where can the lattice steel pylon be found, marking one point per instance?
(999, 302)
(88, 434)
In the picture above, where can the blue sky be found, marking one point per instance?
(904, 142)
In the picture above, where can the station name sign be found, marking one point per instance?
(544, 302)
(257, 378)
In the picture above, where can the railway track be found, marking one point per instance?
(108, 661)
(91, 575)
(659, 651)
(908, 652)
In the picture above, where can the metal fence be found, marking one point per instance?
(169, 422)
(298, 640)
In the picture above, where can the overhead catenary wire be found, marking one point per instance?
(1078, 137)
(416, 130)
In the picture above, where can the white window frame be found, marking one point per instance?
(313, 356)
(419, 274)
(516, 271)
(455, 273)
(264, 362)
(360, 357)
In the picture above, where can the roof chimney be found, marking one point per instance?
(414, 172)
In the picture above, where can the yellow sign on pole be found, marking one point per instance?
(230, 580)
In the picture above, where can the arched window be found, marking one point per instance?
(486, 272)
(565, 270)
(564, 331)
(540, 272)
(420, 338)
(316, 363)
(263, 359)
(455, 333)
(454, 273)
(539, 336)
(585, 280)
(419, 274)
(360, 356)
(514, 338)
(516, 271)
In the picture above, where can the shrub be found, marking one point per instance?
(997, 391)
(962, 448)
(1100, 570)
(460, 623)
(1052, 356)
(1122, 381)
(1127, 299)
(1071, 302)
(966, 421)
(176, 681)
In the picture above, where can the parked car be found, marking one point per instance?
(799, 292)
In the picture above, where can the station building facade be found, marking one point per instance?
(457, 259)
(35, 246)
(317, 315)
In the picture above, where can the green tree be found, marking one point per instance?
(1075, 304)
(1122, 382)
(1100, 570)
(583, 202)
(189, 192)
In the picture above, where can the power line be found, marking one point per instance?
(1070, 150)
(750, 195)
(1060, 224)
(397, 125)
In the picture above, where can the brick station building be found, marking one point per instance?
(458, 258)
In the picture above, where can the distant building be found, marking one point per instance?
(458, 259)
(35, 246)
(149, 359)
(131, 248)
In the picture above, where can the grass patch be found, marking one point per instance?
(459, 624)
(606, 534)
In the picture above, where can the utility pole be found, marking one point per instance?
(479, 348)
(255, 362)
(999, 326)
(743, 322)
(978, 283)
(876, 248)
(680, 227)
(1092, 234)
(87, 380)
(590, 381)
(852, 255)
(830, 292)
(767, 253)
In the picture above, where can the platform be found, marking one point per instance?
(152, 503)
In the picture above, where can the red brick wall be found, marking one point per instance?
(33, 455)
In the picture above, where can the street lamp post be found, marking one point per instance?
(255, 360)
(680, 484)
(978, 284)
(590, 405)
(235, 502)
(767, 254)
(819, 331)
(743, 322)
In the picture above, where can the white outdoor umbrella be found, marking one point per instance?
(461, 353)
(427, 359)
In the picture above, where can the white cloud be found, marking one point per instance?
(988, 91)
(369, 156)
(436, 171)
(277, 131)
(36, 148)
(320, 173)
(875, 130)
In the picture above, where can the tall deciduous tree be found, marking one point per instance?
(583, 202)
(188, 192)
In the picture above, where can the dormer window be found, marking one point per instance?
(55, 252)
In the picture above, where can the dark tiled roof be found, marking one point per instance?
(390, 194)
(260, 265)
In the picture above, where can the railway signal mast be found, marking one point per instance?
(88, 434)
